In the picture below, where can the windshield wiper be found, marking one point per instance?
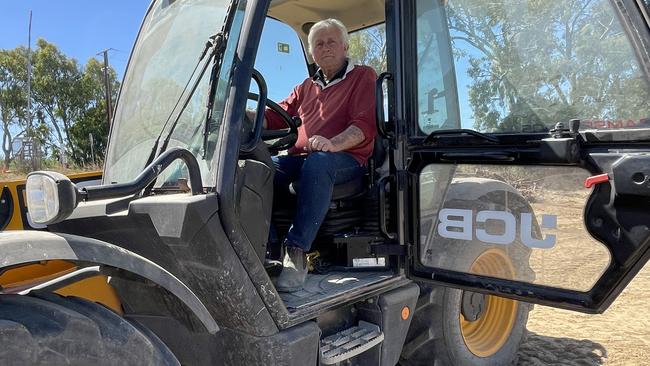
(459, 133)
(214, 74)
(212, 91)
(216, 43)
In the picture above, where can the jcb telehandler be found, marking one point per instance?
(497, 181)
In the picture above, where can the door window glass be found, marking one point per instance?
(437, 97)
(523, 66)
(368, 47)
(524, 222)
(280, 59)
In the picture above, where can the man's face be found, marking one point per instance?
(329, 51)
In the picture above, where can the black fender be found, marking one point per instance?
(21, 247)
(476, 189)
(472, 188)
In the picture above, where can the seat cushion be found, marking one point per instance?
(341, 191)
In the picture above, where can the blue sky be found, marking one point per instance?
(82, 28)
(79, 28)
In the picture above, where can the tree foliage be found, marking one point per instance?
(68, 103)
(13, 98)
(93, 119)
(526, 65)
(368, 47)
(535, 63)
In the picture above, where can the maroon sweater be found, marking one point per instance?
(328, 111)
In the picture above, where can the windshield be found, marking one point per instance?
(167, 51)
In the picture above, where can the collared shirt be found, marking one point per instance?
(319, 77)
(328, 110)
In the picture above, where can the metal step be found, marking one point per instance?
(349, 343)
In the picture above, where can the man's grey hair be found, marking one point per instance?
(324, 24)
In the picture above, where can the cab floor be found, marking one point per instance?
(319, 287)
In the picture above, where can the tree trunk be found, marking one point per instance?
(57, 128)
(6, 139)
(66, 128)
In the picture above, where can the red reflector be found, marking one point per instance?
(600, 178)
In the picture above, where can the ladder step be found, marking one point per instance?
(349, 343)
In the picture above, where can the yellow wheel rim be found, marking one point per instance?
(485, 336)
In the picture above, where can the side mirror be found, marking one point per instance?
(51, 197)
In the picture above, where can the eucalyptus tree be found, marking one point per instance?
(13, 98)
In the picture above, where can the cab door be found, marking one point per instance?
(525, 156)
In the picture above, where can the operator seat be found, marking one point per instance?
(347, 209)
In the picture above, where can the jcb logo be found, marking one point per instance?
(464, 227)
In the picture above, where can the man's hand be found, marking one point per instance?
(250, 114)
(320, 143)
(347, 139)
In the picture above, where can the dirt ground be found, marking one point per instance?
(620, 336)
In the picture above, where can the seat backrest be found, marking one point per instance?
(377, 158)
(379, 152)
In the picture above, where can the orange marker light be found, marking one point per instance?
(406, 312)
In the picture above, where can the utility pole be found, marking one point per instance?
(30, 134)
(29, 75)
(107, 86)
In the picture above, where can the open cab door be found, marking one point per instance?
(502, 199)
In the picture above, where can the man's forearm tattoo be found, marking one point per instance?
(349, 138)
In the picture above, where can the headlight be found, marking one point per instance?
(51, 197)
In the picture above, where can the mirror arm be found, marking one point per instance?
(259, 115)
(148, 176)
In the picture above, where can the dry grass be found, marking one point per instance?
(18, 175)
(620, 336)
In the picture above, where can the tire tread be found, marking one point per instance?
(47, 329)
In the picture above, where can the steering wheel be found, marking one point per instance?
(283, 138)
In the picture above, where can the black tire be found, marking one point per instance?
(48, 329)
(435, 336)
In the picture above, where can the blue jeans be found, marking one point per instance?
(318, 172)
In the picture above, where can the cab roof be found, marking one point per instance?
(302, 14)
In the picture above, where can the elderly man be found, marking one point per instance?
(337, 107)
